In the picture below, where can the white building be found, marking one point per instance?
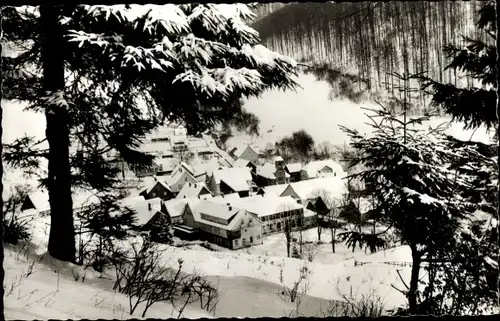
(272, 211)
(223, 224)
(323, 168)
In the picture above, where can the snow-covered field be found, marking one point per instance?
(252, 273)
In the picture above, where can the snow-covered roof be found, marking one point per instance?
(267, 171)
(236, 183)
(308, 213)
(167, 164)
(192, 190)
(238, 150)
(294, 167)
(175, 207)
(267, 205)
(312, 168)
(278, 159)
(215, 209)
(197, 143)
(141, 207)
(276, 190)
(152, 184)
(176, 175)
(240, 162)
(226, 198)
(157, 147)
(206, 167)
(334, 185)
(240, 173)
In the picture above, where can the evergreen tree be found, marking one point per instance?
(408, 173)
(124, 70)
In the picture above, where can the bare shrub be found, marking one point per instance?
(145, 280)
(366, 305)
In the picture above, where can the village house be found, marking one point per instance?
(194, 190)
(320, 169)
(294, 170)
(145, 211)
(181, 175)
(39, 201)
(246, 152)
(231, 180)
(264, 175)
(223, 224)
(156, 188)
(273, 211)
(307, 190)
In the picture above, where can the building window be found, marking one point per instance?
(244, 241)
(278, 226)
(258, 236)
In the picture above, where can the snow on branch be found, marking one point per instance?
(222, 80)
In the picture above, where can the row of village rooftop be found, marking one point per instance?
(230, 206)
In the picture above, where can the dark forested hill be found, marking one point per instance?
(369, 39)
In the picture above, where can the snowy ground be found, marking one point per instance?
(37, 287)
(252, 273)
(332, 274)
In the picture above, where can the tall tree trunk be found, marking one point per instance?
(2, 271)
(62, 235)
(415, 270)
(333, 233)
(498, 107)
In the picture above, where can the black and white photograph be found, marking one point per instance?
(229, 160)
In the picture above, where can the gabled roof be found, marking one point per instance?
(192, 190)
(175, 207)
(267, 205)
(151, 185)
(267, 171)
(240, 162)
(334, 185)
(222, 211)
(239, 150)
(312, 168)
(275, 190)
(173, 179)
(236, 183)
(185, 166)
(141, 207)
(240, 173)
(217, 210)
(294, 167)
